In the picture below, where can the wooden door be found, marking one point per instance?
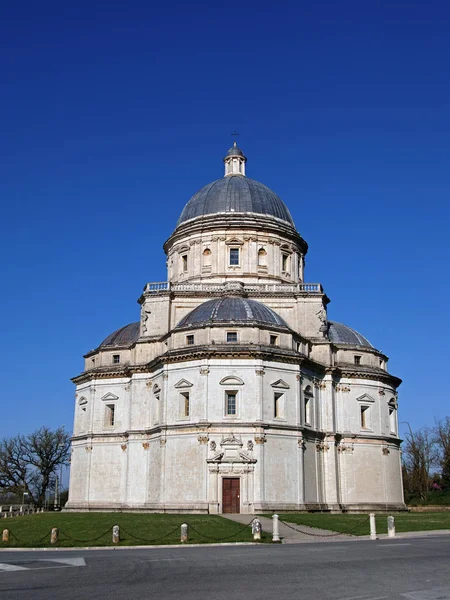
(231, 492)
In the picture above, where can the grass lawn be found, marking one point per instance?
(353, 523)
(95, 529)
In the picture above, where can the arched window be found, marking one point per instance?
(392, 406)
(262, 258)
(308, 401)
(207, 258)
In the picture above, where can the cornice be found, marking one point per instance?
(364, 372)
(250, 352)
(239, 221)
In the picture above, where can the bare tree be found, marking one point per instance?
(27, 463)
(442, 440)
(419, 457)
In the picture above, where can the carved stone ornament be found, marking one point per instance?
(250, 445)
(299, 378)
(301, 444)
(127, 387)
(203, 439)
(260, 439)
(341, 388)
(162, 442)
(124, 447)
(318, 384)
(204, 370)
(149, 383)
(212, 446)
(165, 375)
(144, 317)
(322, 447)
(385, 451)
(260, 371)
(145, 445)
(88, 448)
(342, 448)
(382, 392)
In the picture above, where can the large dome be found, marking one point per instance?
(232, 310)
(235, 194)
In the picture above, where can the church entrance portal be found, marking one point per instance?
(231, 491)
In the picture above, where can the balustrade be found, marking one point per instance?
(287, 288)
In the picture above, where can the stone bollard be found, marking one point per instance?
(116, 534)
(54, 535)
(256, 529)
(373, 527)
(276, 529)
(5, 535)
(184, 532)
(391, 527)
(11, 510)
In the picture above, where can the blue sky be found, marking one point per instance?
(114, 114)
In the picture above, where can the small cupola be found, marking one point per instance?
(235, 161)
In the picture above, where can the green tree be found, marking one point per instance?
(442, 440)
(419, 456)
(28, 463)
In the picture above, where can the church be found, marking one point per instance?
(234, 392)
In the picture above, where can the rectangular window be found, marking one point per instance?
(277, 405)
(364, 417)
(185, 410)
(232, 336)
(234, 257)
(116, 359)
(184, 261)
(357, 360)
(189, 340)
(284, 262)
(109, 415)
(231, 404)
(273, 340)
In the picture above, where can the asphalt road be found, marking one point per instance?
(412, 569)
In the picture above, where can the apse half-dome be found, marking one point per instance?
(342, 334)
(123, 337)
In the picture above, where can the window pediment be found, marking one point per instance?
(234, 242)
(280, 383)
(231, 380)
(182, 384)
(82, 401)
(365, 398)
(110, 396)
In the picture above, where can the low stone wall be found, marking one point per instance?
(429, 508)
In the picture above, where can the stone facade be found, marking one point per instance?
(168, 408)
